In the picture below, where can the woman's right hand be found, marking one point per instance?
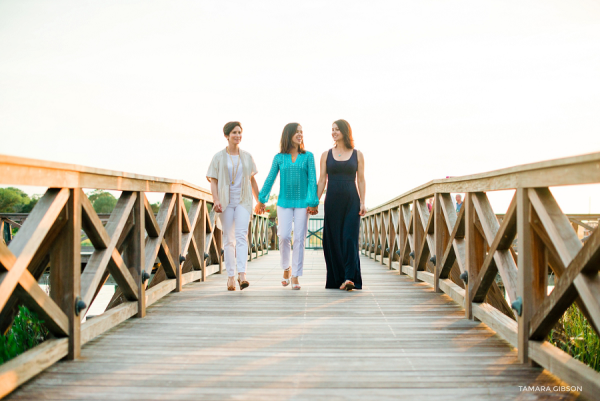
(259, 208)
(217, 207)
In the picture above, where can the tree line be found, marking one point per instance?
(14, 200)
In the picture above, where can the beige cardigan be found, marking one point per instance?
(218, 169)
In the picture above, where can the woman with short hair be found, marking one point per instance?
(342, 170)
(297, 199)
(231, 175)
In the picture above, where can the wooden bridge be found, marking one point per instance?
(431, 321)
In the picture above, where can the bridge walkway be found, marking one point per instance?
(395, 339)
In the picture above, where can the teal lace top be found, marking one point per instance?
(298, 183)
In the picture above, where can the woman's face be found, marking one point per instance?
(235, 136)
(336, 134)
(298, 136)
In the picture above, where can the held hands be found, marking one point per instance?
(363, 210)
(217, 207)
(259, 208)
(313, 210)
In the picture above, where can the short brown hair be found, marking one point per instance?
(286, 139)
(230, 126)
(346, 130)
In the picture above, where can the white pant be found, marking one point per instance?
(299, 218)
(235, 221)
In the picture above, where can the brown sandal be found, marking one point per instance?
(348, 286)
(243, 284)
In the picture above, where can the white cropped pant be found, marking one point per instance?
(298, 217)
(235, 221)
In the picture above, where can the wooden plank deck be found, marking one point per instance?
(395, 339)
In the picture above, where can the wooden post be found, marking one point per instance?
(65, 272)
(439, 224)
(137, 250)
(475, 251)
(391, 235)
(417, 237)
(173, 239)
(200, 234)
(218, 237)
(525, 274)
(402, 235)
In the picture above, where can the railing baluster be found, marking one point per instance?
(137, 251)
(524, 264)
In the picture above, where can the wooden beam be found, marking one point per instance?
(500, 239)
(568, 246)
(525, 275)
(27, 365)
(154, 243)
(35, 298)
(585, 264)
(107, 256)
(456, 249)
(31, 236)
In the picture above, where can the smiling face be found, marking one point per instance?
(336, 134)
(235, 136)
(298, 136)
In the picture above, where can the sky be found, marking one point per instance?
(430, 88)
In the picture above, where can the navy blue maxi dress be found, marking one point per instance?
(342, 222)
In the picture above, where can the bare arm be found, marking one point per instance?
(214, 188)
(361, 183)
(322, 176)
(254, 188)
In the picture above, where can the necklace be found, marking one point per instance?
(235, 171)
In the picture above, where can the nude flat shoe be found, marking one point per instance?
(230, 287)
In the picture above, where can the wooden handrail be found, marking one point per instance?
(23, 171)
(189, 246)
(462, 253)
(576, 170)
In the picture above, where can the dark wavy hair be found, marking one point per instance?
(346, 131)
(230, 126)
(286, 143)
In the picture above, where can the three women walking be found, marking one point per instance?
(342, 168)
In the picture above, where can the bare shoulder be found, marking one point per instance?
(360, 155)
(324, 155)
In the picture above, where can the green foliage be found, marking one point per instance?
(13, 200)
(26, 332)
(187, 203)
(271, 206)
(155, 207)
(103, 202)
(27, 208)
(574, 335)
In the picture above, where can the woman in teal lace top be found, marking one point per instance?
(297, 199)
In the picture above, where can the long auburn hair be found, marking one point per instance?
(346, 131)
(286, 143)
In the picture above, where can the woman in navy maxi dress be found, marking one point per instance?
(343, 209)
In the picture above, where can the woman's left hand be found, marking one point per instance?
(363, 210)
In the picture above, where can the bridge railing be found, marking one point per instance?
(462, 253)
(187, 244)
